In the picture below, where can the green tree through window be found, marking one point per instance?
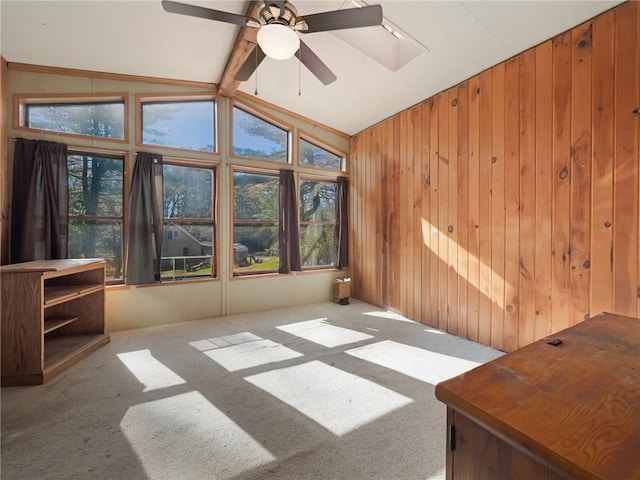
(96, 209)
(189, 227)
(315, 156)
(186, 124)
(97, 119)
(255, 222)
(256, 138)
(317, 222)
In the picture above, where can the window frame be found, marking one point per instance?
(215, 186)
(307, 137)
(22, 101)
(314, 178)
(268, 119)
(117, 155)
(232, 221)
(177, 98)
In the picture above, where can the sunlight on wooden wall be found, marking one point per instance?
(527, 179)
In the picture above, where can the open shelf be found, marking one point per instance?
(56, 294)
(53, 323)
(52, 317)
(62, 349)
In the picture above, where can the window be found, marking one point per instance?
(96, 196)
(256, 199)
(255, 137)
(94, 118)
(188, 124)
(315, 156)
(188, 245)
(317, 222)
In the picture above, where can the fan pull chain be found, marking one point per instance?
(256, 58)
(299, 72)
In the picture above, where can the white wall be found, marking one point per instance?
(137, 307)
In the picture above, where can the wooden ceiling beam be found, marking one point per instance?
(245, 44)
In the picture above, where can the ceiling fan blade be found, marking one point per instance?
(208, 13)
(314, 64)
(250, 65)
(341, 19)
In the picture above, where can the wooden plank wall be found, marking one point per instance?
(508, 208)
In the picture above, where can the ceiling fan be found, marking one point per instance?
(279, 25)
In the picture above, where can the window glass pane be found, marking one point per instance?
(317, 222)
(188, 124)
(315, 156)
(187, 251)
(187, 192)
(256, 138)
(255, 196)
(94, 119)
(188, 247)
(95, 185)
(317, 201)
(96, 209)
(97, 239)
(256, 199)
(255, 248)
(316, 245)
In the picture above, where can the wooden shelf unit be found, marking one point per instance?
(564, 407)
(52, 317)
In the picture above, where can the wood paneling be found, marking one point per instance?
(625, 169)
(507, 208)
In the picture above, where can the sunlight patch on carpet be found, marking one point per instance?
(225, 341)
(251, 354)
(389, 316)
(433, 330)
(149, 371)
(339, 401)
(323, 333)
(418, 363)
(185, 436)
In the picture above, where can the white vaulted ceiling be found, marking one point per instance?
(138, 37)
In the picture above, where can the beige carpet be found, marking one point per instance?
(322, 391)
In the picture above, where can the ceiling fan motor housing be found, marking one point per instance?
(284, 14)
(278, 26)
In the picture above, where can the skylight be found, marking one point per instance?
(387, 44)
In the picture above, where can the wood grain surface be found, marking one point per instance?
(573, 406)
(52, 315)
(514, 213)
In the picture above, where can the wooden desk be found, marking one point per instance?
(551, 412)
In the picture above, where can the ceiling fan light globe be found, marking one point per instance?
(278, 41)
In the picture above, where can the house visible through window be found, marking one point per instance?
(317, 222)
(96, 193)
(256, 201)
(260, 145)
(187, 124)
(188, 248)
